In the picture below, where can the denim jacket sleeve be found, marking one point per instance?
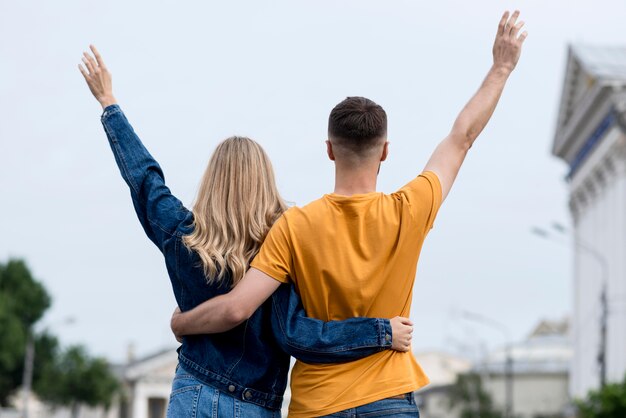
(315, 341)
(159, 212)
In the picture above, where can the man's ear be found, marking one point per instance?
(329, 150)
(385, 153)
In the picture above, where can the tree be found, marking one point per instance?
(75, 379)
(468, 394)
(23, 301)
(608, 402)
(68, 378)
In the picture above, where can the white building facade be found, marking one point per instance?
(590, 137)
(442, 369)
(540, 373)
(539, 377)
(147, 384)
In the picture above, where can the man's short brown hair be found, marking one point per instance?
(357, 124)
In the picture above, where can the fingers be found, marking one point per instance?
(402, 346)
(93, 65)
(511, 23)
(515, 29)
(502, 25)
(96, 54)
(83, 71)
(402, 329)
(510, 26)
(404, 321)
(90, 68)
(522, 37)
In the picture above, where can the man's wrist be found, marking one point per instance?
(502, 70)
(106, 101)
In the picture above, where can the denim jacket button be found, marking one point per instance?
(247, 394)
(387, 337)
(231, 388)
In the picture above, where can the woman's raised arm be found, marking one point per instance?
(159, 212)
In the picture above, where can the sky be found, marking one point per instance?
(190, 74)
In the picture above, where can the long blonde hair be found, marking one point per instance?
(237, 204)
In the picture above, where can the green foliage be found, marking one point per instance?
(608, 402)
(75, 379)
(27, 298)
(46, 351)
(23, 301)
(69, 378)
(468, 394)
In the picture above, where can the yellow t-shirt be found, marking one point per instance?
(353, 256)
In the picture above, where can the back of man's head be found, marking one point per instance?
(357, 129)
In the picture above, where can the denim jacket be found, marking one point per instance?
(251, 361)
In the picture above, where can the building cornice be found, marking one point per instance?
(598, 173)
(568, 135)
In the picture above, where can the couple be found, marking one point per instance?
(257, 282)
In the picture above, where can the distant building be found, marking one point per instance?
(147, 384)
(442, 369)
(540, 376)
(590, 138)
(540, 372)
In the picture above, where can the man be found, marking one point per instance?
(354, 252)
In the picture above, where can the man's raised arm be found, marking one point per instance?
(450, 153)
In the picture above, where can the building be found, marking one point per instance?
(442, 369)
(590, 138)
(147, 385)
(540, 372)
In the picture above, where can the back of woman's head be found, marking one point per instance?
(236, 206)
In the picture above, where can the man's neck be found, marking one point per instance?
(350, 181)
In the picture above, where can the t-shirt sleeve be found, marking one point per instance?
(274, 257)
(424, 197)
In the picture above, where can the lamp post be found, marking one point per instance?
(604, 267)
(29, 362)
(508, 364)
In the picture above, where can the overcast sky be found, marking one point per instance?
(189, 74)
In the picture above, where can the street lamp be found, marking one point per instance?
(29, 362)
(604, 267)
(508, 366)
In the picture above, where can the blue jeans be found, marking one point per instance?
(391, 407)
(191, 398)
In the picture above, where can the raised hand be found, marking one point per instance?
(508, 44)
(402, 333)
(97, 77)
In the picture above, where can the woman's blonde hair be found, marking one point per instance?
(235, 208)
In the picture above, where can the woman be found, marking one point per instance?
(242, 372)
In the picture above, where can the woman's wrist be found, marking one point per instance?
(106, 101)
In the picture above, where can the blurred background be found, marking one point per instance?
(520, 296)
